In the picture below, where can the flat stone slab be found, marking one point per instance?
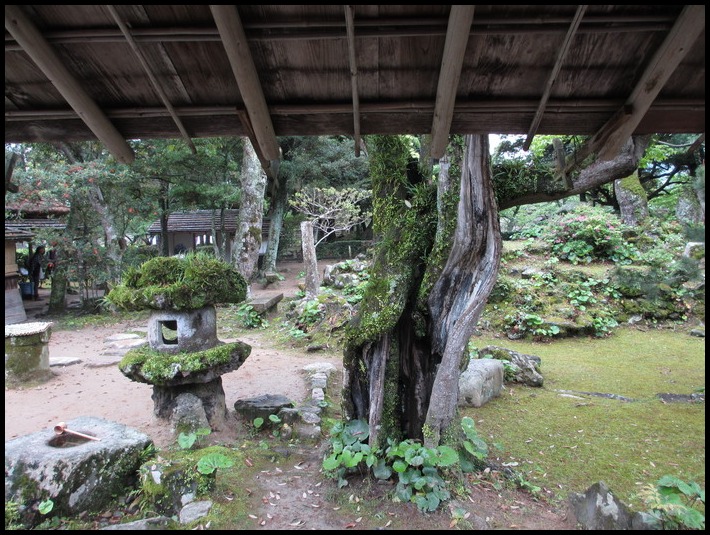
(122, 336)
(262, 406)
(104, 360)
(264, 304)
(126, 343)
(63, 361)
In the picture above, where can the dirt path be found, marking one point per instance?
(87, 387)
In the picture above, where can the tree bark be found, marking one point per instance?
(247, 242)
(164, 203)
(309, 260)
(113, 249)
(596, 174)
(632, 200)
(278, 209)
(461, 292)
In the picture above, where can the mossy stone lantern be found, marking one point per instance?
(184, 355)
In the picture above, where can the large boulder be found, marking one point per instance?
(480, 382)
(525, 368)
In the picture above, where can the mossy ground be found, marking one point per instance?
(566, 443)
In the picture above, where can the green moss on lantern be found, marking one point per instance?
(179, 283)
(160, 367)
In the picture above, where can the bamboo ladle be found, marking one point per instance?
(61, 428)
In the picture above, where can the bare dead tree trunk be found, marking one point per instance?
(247, 240)
(276, 218)
(309, 260)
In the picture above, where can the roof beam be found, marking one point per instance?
(553, 75)
(41, 52)
(379, 27)
(350, 26)
(609, 140)
(153, 80)
(457, 32)
(235, 43)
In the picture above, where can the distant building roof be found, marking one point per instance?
(28, 225)
(17, 235)
(33, 208)
(201, 221)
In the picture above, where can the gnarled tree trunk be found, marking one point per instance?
(461, 292)
(433, 271)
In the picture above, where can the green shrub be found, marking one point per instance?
(590, 233)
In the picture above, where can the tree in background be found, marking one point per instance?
(328, 211)
(176, 179)
(315, 161)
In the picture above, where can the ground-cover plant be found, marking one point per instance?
(419, 472)
(187, 440)
(672, 503)
(250, 318)
(564, 440)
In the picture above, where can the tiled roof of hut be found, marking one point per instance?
(26, 225)
(12, 234)
(32, 209)
(201, 221)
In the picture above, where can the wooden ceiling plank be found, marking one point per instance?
(153, 80)
(458, 30)
(609, 140)
(235, 43)
(553, 75)
(350, 26)
(44, 56)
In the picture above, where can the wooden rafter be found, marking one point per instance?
(235, 43)
(350, 27)
(553, 75)
(458, 30)
(609, 140)
(153, 80)
(44, 56)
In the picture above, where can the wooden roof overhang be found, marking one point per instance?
(123, 72)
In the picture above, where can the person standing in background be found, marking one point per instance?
(35, 269)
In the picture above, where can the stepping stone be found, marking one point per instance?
(122, 336)
(126, 344)
(63, 361)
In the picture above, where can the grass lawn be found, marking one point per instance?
(566, 444)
